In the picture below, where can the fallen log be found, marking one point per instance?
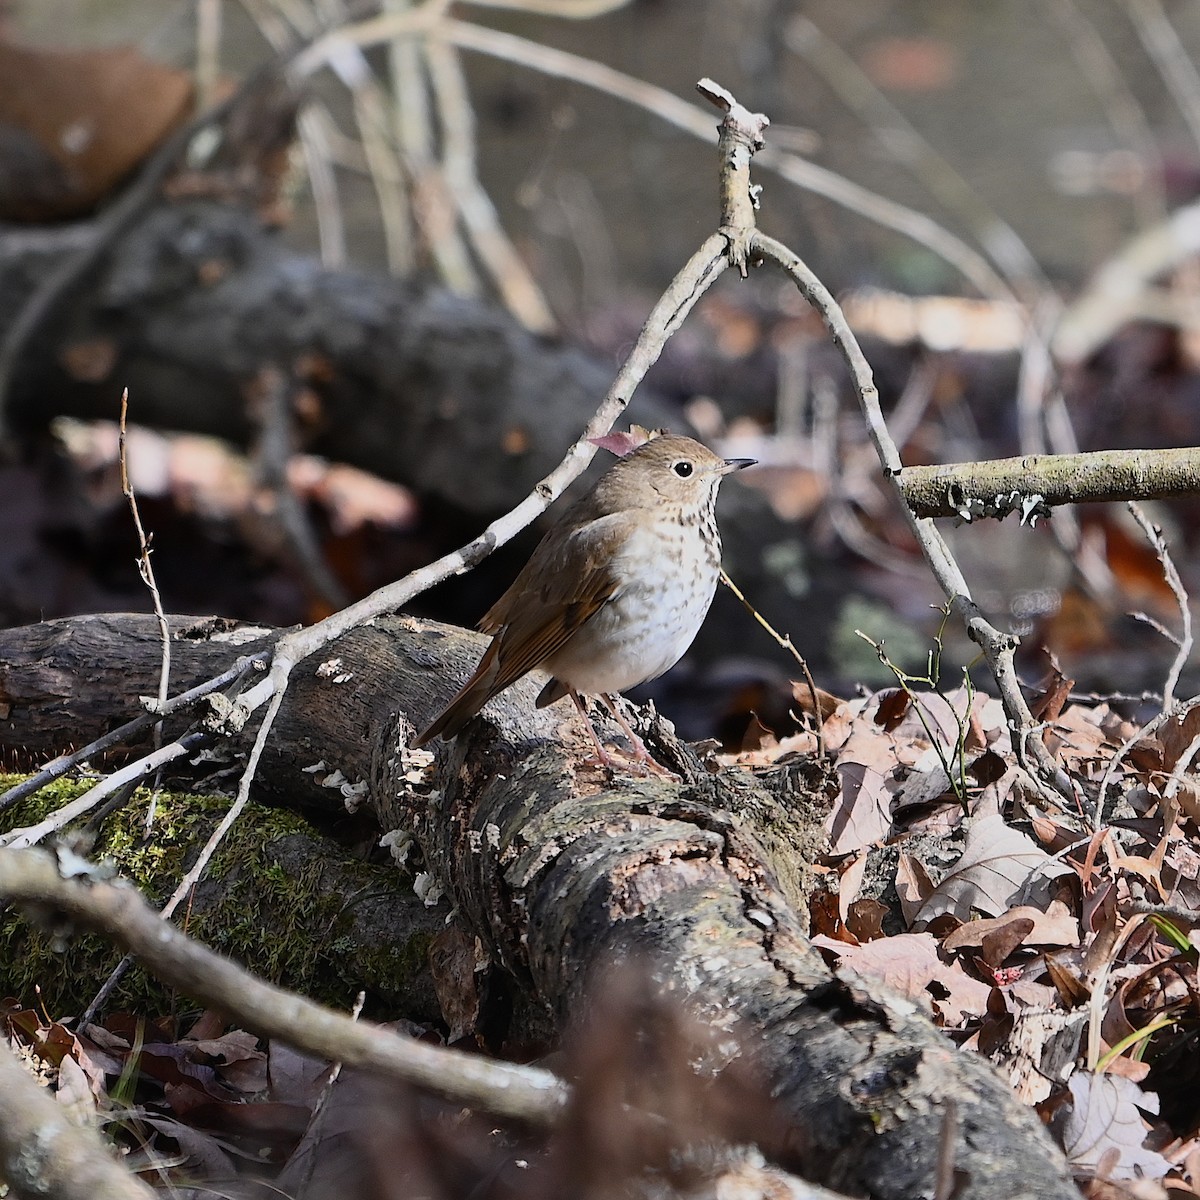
(559, 871)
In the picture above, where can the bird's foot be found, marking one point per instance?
(642, 762)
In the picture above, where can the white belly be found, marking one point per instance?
(670, 577)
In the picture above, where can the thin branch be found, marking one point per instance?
(1100, 71)
(31, 834)
(998, 648)
(670, 108)
(784, 641)
(1110, 771)
(1120, 291)
(516, 285)
(574, 10)
(146, 570)
(197, 869)
(704, 267)
(118, 910)
(273, 392)
(1170, 56)
(1171, 575)
(434, 205)
(905, 144)
(58, 767)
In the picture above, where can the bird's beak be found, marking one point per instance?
(735, 464)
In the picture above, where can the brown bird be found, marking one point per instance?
(614, 593)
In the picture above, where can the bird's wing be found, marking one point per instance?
(566, 582)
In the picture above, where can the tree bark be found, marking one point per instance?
(560, 871)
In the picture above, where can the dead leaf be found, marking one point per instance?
(913, 886)
(621, 444)
(998, 865)
(1054, 927)
(1104, 1116)
(814, 701)
(81, 120)
(862, 815)
(893, 704)
(865, 919)
(1052, 693)
(909, 963)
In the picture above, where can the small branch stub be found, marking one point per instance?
(741, 135)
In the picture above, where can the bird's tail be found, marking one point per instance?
(471, 697)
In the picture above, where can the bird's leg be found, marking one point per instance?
(640, 752)
(602, 755)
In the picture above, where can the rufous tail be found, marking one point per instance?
(471, 697)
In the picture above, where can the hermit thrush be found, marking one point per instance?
(616, 590)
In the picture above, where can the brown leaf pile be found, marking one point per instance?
(1060, 944)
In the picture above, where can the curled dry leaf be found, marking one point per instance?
(913, 886)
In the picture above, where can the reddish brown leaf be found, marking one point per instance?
(909, 963)
(1000, 943)
(1052, 694)
(893, 704)
(865, 919)
(1054, 927)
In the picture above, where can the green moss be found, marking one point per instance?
(285, 926)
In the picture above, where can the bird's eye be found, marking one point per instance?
(683, 469)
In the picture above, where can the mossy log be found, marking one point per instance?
(559, 870)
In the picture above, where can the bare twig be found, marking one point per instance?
(1171, 575)
(840, 508)
(998, 648)
(575, 10)
(146, 570)
(784, 641)
(1173, 912)
(413, 128)
(668, 107)
(316, 1122)
(197, 869)
(1171, 57)
(1177, 713)
(1121, 291)
(208, 51)
(58, 767)
(944, 1184)
(274, 391)
(1181, 768)
(1100, 71)
(31, 834)
(318, 165)
(905, 144)
(697, 276)
(517, 287)
(118, 910)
